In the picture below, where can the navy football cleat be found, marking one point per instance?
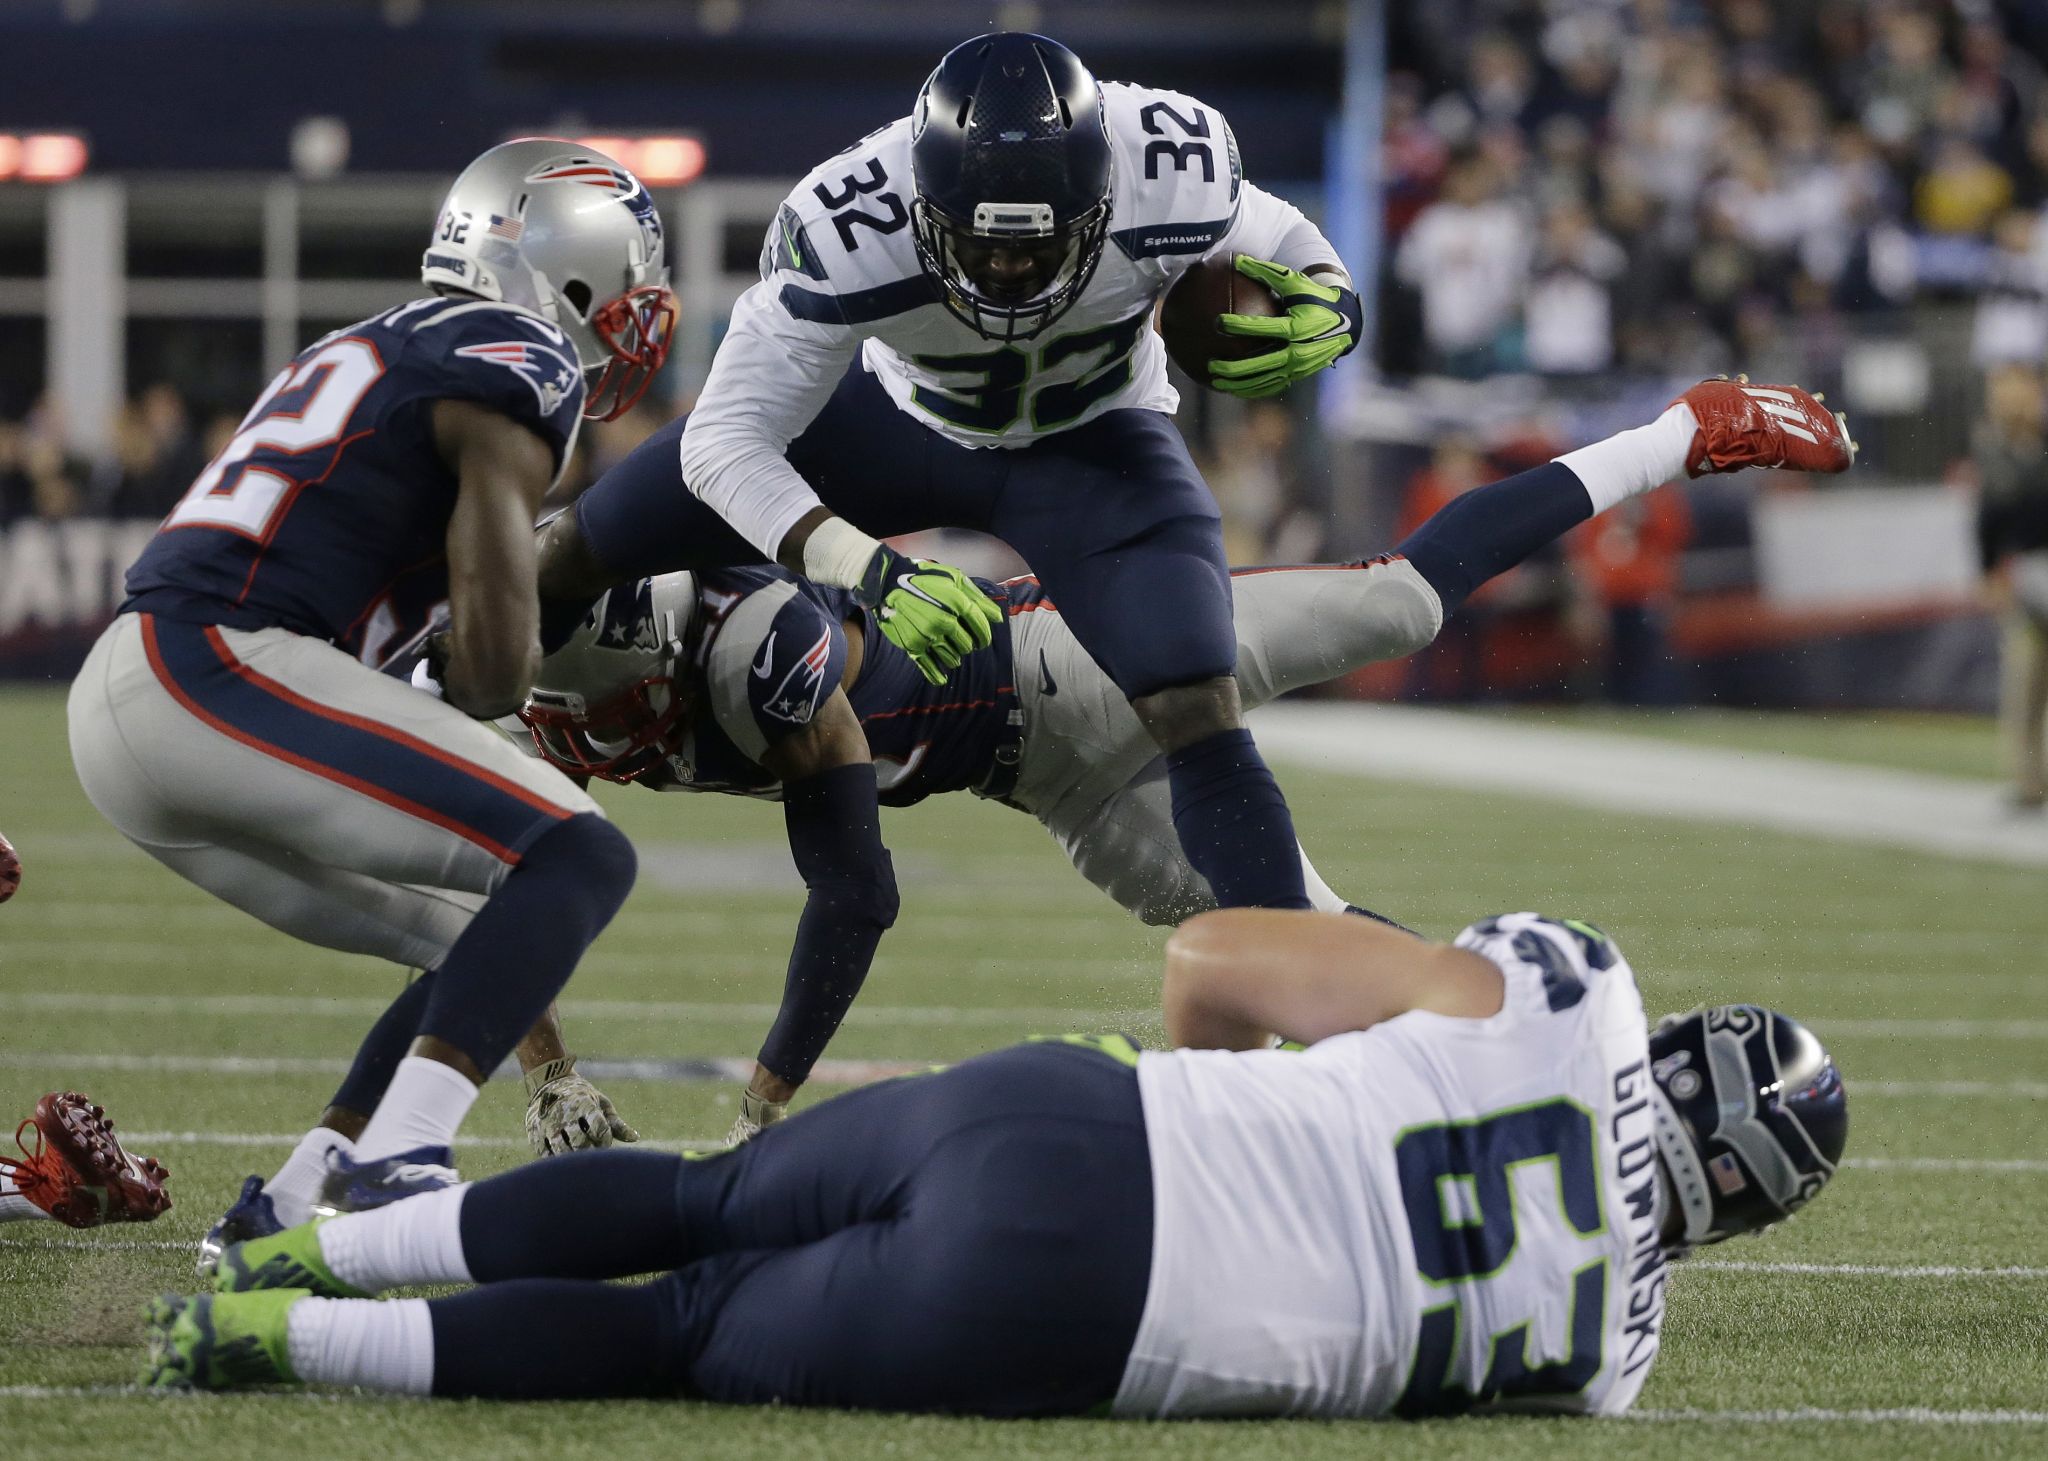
(353, 1186)
(252, 1216)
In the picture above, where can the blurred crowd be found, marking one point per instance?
(1578, 186)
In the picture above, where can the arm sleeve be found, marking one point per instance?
(1273, 229)
(772, 375)
(835, 836)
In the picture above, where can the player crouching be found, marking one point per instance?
(1462, 1194)
(77, 1171)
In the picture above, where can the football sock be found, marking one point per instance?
(1234, 824)
(423, 1106)
(513, 1225)
(415, 1241)
(522, 945)
(547, 1339)
(379, 1344)
(1320, 894)
(14, 1208)
(1492, 528)
(1632, 462)
(298, 1181)
(383, 1048)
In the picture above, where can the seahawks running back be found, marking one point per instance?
(1462, 1196)
(953, 326)
(231, 721)
(753, 681)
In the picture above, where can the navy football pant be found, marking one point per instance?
(1112, 516)
(976, 1240)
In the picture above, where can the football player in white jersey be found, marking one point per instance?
(1462, 1195)
(954, 327)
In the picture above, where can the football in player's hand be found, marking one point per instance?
(1187, 317)
(10, 870)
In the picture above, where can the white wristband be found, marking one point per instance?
(837, 553)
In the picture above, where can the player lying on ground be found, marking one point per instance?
(1463, 1192)
(755, 682)
(231, 722)
(77, 1172)
(953, 327)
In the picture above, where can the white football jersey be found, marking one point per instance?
(1432, 1215)
(840, 280)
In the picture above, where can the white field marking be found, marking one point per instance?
(637, 1011)
(740, 1068)
(1860, 1270)
(1915, 1415)
(145, 1140)
(1950, 816)
(1813, 1415)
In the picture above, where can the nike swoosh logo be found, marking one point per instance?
(1045, 681)
(767, 660)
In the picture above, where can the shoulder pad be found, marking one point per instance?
(1178, 174)
(499, 355)
(840, 247)
(774, 660)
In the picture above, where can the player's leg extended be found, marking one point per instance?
(1126, 540)
(1307, 625)
(184, 734)
(1002, 1270)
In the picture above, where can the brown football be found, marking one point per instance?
(1187, 317)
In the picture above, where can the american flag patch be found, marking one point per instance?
(508, 229)
(1728, 1178)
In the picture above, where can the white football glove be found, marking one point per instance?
(755, 1113)
(566, 1113)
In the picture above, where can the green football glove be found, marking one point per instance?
(1322, 323)
(931, 612)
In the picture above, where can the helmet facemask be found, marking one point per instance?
(635, 329)
(968, 258)
(620, 738)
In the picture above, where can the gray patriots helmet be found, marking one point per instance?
(609, 701)
(1751, 1117)
(562, 230)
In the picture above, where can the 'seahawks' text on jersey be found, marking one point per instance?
(840, 278)
(327, 512)
(1430, 1216)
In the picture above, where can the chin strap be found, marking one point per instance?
(1682, 1169)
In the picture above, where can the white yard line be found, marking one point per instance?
(146, 1140)
(1950, 816)
(1805, 1415)
(1860, 1270)
(1813, 1415)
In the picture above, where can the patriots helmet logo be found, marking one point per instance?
(599, 173)
(550, 374)
(796, 699)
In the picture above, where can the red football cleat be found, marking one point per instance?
(79, 1173)
(10, 870)
(1744, 425)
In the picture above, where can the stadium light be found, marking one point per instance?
(667, 162)
(41, 157)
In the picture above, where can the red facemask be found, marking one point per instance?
(637, 328)
(621, 738)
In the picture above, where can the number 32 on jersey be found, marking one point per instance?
(245, 489)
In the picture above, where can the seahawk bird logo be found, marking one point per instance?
(548, 372)
(615, 180)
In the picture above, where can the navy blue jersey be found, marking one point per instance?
(327, 513)
(770, 648)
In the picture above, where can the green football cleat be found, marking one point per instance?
(219, 1341)
(288, 1260)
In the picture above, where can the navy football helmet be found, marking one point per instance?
(1010, 156)
(1751, 1117)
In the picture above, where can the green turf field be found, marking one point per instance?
(1923, 975)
